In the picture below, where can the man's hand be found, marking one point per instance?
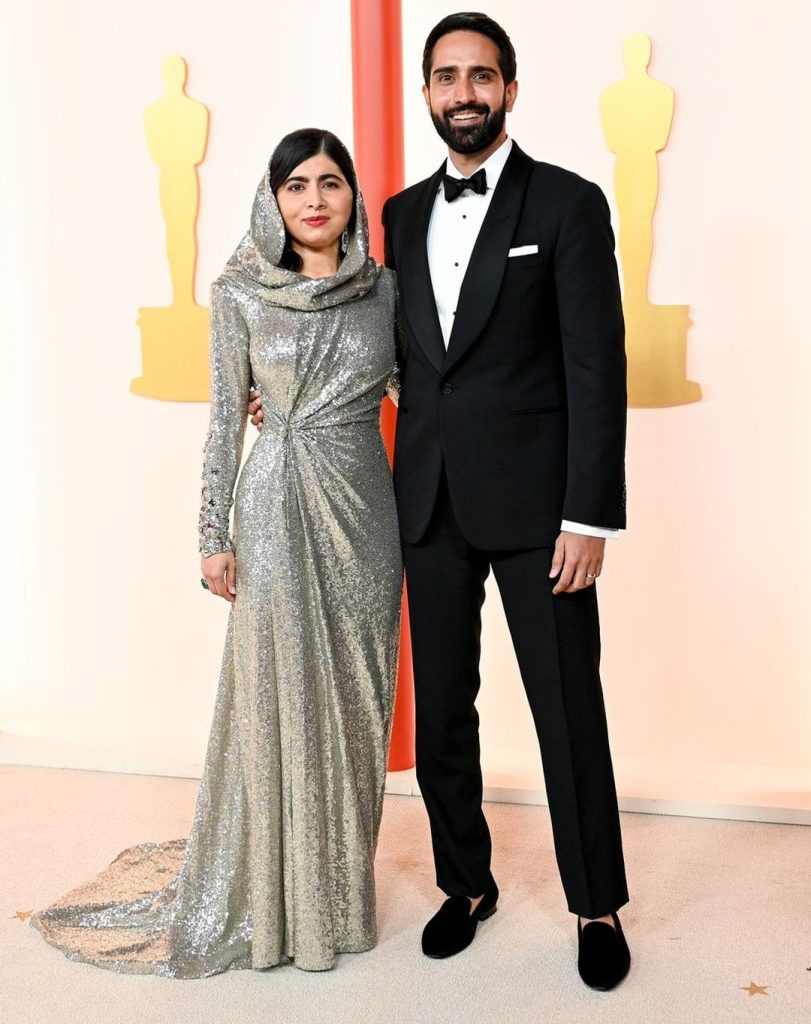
(578, 560)
(255, 410)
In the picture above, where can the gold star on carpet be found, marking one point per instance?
(22, 915)
(755, 990)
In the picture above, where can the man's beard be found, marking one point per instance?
(460, 139)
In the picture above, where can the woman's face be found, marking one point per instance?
(315, 203)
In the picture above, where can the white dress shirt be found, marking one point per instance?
(452, 233)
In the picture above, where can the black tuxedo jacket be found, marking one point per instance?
(526, 409)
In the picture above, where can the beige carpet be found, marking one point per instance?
(715, 905)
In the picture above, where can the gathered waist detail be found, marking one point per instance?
(331, 420)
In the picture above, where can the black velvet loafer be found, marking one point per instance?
(603, 957)
(453, 927)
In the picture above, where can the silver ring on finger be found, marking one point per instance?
(591, 575)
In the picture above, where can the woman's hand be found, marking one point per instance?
(220, 573)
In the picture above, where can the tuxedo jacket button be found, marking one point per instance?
(447, 387)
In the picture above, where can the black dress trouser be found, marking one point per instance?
(557, 644)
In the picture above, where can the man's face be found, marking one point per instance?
(466, 94)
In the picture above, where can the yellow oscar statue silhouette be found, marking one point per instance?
(174, 339)
(636, 115)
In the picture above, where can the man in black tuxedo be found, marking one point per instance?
(509, 455)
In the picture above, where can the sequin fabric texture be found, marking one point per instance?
(279, 863)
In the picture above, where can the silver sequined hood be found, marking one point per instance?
(254, 265)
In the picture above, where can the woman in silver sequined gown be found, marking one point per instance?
(279, 863)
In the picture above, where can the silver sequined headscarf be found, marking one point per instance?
(255, 262)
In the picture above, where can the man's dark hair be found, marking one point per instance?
(471, 22)
(293, 150)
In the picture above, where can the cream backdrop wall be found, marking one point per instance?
(111, 649)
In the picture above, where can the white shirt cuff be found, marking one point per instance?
(589, 531)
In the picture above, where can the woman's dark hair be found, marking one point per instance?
(293, 150)
(471, 22)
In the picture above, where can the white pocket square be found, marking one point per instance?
(523, 250)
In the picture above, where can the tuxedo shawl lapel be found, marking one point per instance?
(414, 275)
(488, 260)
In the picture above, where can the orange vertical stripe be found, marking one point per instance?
(377, 92)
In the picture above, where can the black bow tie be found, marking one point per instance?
(454, 187)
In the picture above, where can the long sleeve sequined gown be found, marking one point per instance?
(279, 863)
